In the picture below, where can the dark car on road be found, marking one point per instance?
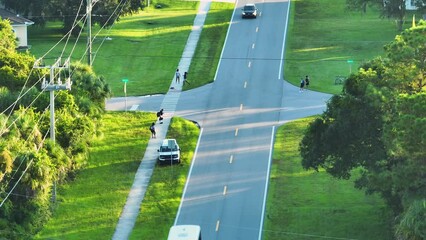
(249, 11)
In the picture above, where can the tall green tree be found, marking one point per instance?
(377, 125)
(407, 59)
(7, 37)
(104, 12)
(412, 225)
(89, 90)
(389, 8)
(25, 152)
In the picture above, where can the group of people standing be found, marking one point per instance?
(160, 120)
(304, 83)
(185, 75)
(161, 112)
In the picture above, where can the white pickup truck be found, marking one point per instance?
(169, 151)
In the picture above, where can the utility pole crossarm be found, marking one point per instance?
(52, 87)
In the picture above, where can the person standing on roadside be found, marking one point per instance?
(302, 84)
(307, 82)
(152, 129)
(185, 76)
(160, 116)
(177, 76)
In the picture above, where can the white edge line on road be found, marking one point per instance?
(189, 176)
(224, 43)
(267, 183)
(283, 46)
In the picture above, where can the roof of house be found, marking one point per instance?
(14, 19)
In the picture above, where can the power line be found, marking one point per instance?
(21, 95)
(103, 26)
(23, 173)
(45, 86)
(69, 35)
(51, 87)
(28, 138)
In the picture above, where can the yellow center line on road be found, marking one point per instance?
(224, 190)
(236, 132)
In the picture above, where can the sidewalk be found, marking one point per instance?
(137, 192)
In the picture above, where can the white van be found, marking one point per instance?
(169, 151)
(185, 232)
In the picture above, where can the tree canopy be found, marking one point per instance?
(104, 12)
(28, 159)
(389, 8)
(377, 125)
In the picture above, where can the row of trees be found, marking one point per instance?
(27, 158)
(104, 12)
(378, 125)
(389, 8)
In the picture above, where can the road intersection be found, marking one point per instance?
(238, 113)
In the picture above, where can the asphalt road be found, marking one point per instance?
(238, 113)
(226, 190)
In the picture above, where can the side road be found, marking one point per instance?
(169, 102)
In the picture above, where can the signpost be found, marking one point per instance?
(125, 80)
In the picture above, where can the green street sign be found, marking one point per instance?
(125, 80)
(350, 61)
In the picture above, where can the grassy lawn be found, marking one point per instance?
(145, 48)
(313, 205)
(206, 57)
(162, 199)
(89, 206)
(322, 37)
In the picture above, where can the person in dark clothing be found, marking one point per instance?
(152, 129)
(307, 82)
(185, 75)
(160, 116)
(302, 84)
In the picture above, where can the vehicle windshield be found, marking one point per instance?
(249, 8)
(167, 149)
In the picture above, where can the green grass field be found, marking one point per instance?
(313, 205)
(162, 199)
(322, 36)
(89, 206)
(78, 216)
(206, 57)
(145, 48)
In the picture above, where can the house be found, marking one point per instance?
(410, 5)
(19, 26)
